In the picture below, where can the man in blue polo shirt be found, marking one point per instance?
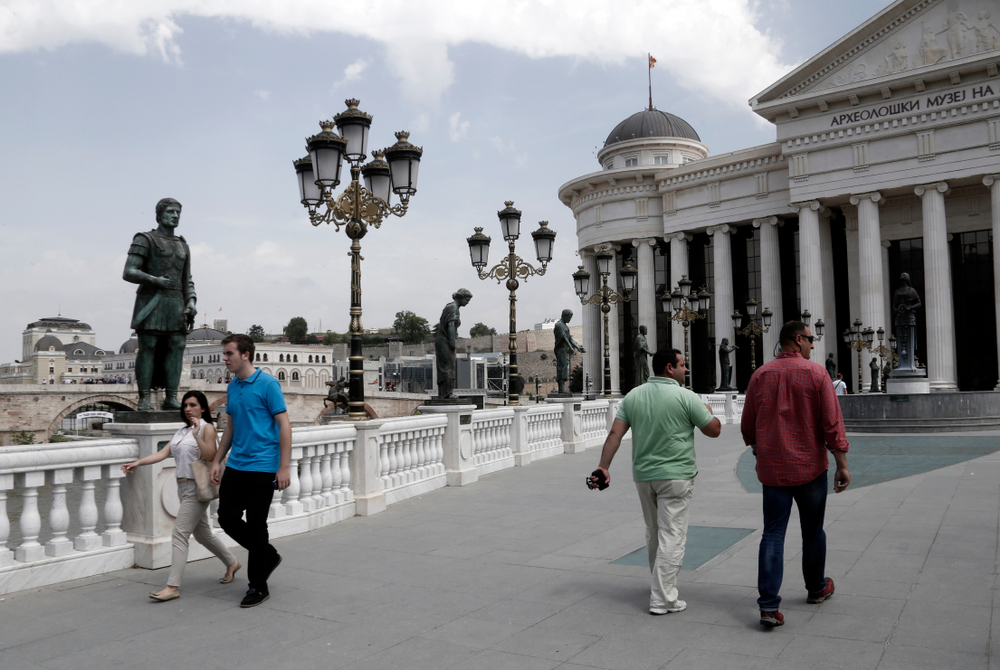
(662, 415)
(260, 435)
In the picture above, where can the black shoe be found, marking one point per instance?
(277, 562)
(254, 598)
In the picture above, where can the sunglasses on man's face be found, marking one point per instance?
(808, 337)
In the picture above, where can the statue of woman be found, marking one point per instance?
(445, 341)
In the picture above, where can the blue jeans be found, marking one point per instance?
(811, 501)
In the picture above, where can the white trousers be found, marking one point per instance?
(665, 504)
(192, 517)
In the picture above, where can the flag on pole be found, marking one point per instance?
(220, 309)
(652, 62)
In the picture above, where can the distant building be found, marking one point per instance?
(547, 324)
(55, 350)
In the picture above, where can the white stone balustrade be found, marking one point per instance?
(491, 439)
(337, 470)
(411, 456)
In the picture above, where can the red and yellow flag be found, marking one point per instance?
(652, 62)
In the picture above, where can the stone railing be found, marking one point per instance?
(48, 545)
(100, 520)
(728, 407)
(491, 439)
(411, 456)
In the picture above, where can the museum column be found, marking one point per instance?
(678, 268)
(938, 298)
(872, 291)
(829, 315)
(770, 283)
(647, 288)
(723, 294)
(993, 182)
(613, 343)
(591, 322)
(812, 295)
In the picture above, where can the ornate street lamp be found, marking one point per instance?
(883, 352)
(686, 307)
(817, 329)
(753, 330)
(606, 297)
(510, 269)
(857, 338)
(392, 170)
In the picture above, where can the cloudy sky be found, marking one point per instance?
(108, 106)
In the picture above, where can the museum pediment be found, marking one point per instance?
(906, 37)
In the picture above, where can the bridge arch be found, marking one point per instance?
(103, 398)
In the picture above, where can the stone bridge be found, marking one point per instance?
(38, 408)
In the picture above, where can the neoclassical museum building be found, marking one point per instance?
(887, 160)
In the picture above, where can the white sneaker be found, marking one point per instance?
(679, 606)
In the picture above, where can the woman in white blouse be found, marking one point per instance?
(198, 439)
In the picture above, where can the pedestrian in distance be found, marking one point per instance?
(662, 415)
(197, 439)
(791, 418)
(258, 441)
(839, 387)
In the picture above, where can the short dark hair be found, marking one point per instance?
(206, 413)
(790, 331)
(244, 343)
(661, 359)
(163, 204)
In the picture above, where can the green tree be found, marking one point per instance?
(481, 329)
(23, 437)
(297, 330)
(331, 338)
(410, 327)
(256, 333)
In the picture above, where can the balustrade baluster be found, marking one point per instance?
(59, 545)
(88, 539)
(336, 478)
(420, 455)
(113, 535)
(345, 473)
(326, 475)
(409, 457)
(317, 477)
(291, 498)
(383, 460)
(31, 522)
(305, 480)
(6, 555)
(390, 442)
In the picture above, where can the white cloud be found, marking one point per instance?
(421, 124)
(263, 95)
(711, 47)
(457, 129)
(353, 71)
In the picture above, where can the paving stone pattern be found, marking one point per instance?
(516, 572)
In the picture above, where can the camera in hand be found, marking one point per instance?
(597, 480)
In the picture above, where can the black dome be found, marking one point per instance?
(651, 123)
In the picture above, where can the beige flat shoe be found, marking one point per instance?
(173, 595)
(228, 578)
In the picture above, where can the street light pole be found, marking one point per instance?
(605, 298)
(686, 307)
(358, 206)
(510, 269)
(753, 330)
(857, 338)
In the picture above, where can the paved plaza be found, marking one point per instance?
(528, 569)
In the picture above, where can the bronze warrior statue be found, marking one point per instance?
(565, 346)
(641, 355)
(160, 263)
(724, 365)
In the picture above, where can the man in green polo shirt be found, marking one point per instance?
(662, 415)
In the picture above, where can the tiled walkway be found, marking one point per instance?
(516, 572)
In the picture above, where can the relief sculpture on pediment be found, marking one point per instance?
(941, 33)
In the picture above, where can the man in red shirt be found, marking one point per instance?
(790, 419)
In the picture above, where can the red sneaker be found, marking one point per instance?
(771, 619)
(825, 594)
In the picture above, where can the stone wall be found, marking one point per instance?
(527, 342)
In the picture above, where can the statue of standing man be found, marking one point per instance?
(160, 263)
(905, 303)
(565, 346)
(446, 343)
(642, 351)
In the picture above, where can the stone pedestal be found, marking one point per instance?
(364, 463)
(907, 385)
(149, 495)
(571, 432)
(460, 469)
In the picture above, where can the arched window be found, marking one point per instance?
(281, 358)
(201, 375)
(324, 359)
(281, 376)
(310, 358)
(295, 358)
(258, 358)
(295, 376)
(265, 358)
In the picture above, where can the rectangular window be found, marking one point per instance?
(609, 165)
(662, 160)
(631, 161)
